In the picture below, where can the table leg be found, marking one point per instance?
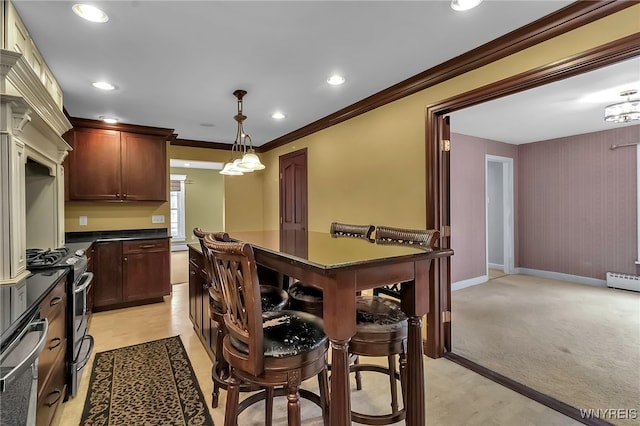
(340, 399)
(415, 375)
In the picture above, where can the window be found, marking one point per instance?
(177, 207)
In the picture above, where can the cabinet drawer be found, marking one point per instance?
(55, 347)
(56, 299)
(144, 246)
(52, 395)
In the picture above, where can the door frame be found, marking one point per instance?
(508, 229)
(437, 191)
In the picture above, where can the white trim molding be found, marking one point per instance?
(459, 285)
(562, 277)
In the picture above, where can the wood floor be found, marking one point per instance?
(454, 395)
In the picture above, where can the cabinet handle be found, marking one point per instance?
(55, 301)
(117, 195)
(57, 392)
(57, 340)
(125, 259)
(147, 246)
(124, 195)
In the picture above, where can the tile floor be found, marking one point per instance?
(454, 395)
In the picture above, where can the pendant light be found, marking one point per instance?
(623, 112)
(247, 160)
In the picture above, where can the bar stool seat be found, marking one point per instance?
(381, 330)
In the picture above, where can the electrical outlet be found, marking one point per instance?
(83, 221)
(157, 218)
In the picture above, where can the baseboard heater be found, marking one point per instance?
(623, 281)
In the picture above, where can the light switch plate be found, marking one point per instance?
(157, 218)
(83, 221)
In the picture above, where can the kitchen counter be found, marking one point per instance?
(73, 238)
(20, 301)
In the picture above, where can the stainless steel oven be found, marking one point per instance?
(19, 374)
(80, 342)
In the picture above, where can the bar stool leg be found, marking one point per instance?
(268, 401)
(233, 395)
(293, 406)
(392, 382)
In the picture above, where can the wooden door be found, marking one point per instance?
(144, 167)
(293, 203)
(94, 165)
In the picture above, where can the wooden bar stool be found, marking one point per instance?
(271, 349)
(272, 299)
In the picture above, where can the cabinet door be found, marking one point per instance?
(144, 167)
(195, 289)
(145, 275)
(107, 270)
(94, 165)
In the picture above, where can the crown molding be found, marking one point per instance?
(562, 21)
(167, 134)
(16, 71)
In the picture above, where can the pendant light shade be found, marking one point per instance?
(247, 160)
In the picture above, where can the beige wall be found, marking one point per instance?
(103, 215)
(203, 200)
(370, 169)
(243, 203)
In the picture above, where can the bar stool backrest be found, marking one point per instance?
(424, 239)
(236, 267)
(213, 281)
(348, 230)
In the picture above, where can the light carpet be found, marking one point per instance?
(577, 343)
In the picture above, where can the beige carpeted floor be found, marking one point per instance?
(577, 343)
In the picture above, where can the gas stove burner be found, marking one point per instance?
(45, 257)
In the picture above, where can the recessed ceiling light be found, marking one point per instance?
(103, 85)
(278, 115)
(461, 5)
(187, 164)
(90, 13)
(335, 80)
(107, 119)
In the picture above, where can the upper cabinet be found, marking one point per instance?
(116, 165)
(16, 39)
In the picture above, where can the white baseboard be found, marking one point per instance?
(562, 277)
(495, 266)
(459, 285)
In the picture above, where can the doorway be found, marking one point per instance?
(499, 214)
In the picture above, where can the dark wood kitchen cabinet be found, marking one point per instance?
(145, 269)
(107, 274)
(113, 165)
(128, 273)
(51, 362)
(199, 301)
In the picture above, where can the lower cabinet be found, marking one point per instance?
(199, 300)
(130, 272)
(51, 362)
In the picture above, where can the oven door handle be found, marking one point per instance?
(40, 326)
(88, 277)
(81, 364)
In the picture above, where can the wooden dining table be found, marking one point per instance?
(342, 267)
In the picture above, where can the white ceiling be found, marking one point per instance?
(177, 63)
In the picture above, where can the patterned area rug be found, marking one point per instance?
(147, 384)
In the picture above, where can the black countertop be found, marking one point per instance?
(119, 235)
(20, 301)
